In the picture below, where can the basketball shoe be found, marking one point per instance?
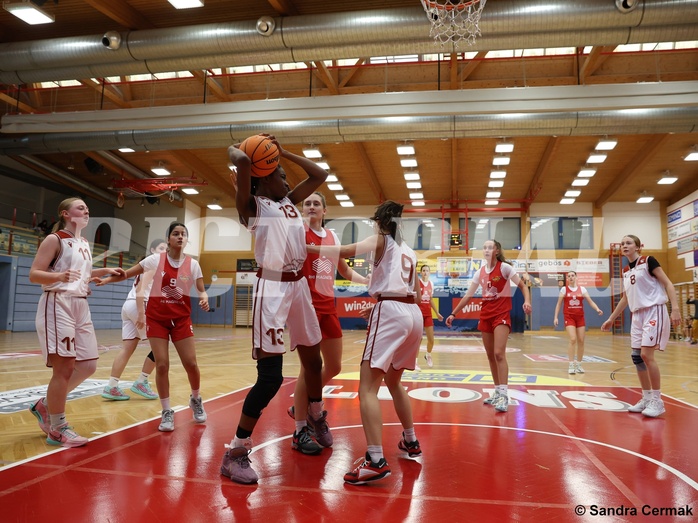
(237, 466)
(367, 471)
(142, 388)
(491, 400)
(302, 442)
(197, 407)
(39, 410)
(640, 405)
(411, 447)
(571, 368)
(654, 409)
(430, 362)
(578, 368)
(502, 403)
(65, 436)
(321, 429)
(114, 393)
(167, 423)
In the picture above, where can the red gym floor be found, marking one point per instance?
(559, 451)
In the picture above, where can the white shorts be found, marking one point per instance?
(129, 316)
(650, 326)
(394, 335)
(64, 326)
(279, 304)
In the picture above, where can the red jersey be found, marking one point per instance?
(319, 271)
(496, 291)
(573, 300)
(169, 295)
(427, 291)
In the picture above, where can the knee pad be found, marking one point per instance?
(151, 356)
(638, 361)
(269, 380)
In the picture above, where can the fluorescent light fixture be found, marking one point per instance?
(667, 180)
(567, 201)
(501, 160)
(190, 190)
(342, 197)
(408, 162)
(416, 196)
(323, 165)
(580, 182)
(347, 204)
(607, 144)
(414, 185)
(335, 187)
(596, 158)
(214, 206)
(586, 172)
(418, 203)
(483, 220)
(127, 150)
(29, 13)
(232, 167)
(331, 178)
(498, 174)
(410, 177)
(491, 202)
(493, 194)
(692, 156)
(495, 184)
(504, 147)
(645, 199)
(312, 153)
(572, 194)
(186, 4)
(405, 150)
(161, 170)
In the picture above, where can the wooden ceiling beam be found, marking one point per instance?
(211, 83)
(353, 72)
(473, 64)
(543, 169)
(203, 170)
(15, 103)
(108, 91)
(454, 170)
(326, 77)
(121, 13)
(633, 168)
(596, 57)
(367, 168)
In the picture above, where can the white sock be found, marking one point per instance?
(315, 409)
(410, 435)
(237, 442)
(142, 378)
(195, 394)
(646, 394)
(300, 425)
(656, 394)
(165, 402)
(57, 420)
(375, 452)
(113, 382)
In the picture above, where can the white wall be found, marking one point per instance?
(223, 232)
(643, 220)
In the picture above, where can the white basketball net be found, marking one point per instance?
(454, 20)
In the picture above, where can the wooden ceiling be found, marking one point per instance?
(454, 171)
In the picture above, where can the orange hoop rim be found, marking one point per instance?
(459, 7)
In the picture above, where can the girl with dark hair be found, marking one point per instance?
(394, 335)
(571, 295)
(320, 271)
(426, 305)
(646, 289)
(133, 331)
(63, 267)
(495, 315)
(170, 277)
(267, 207)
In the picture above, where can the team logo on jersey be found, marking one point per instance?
(174, 293)
(496, 279)
(70, 244)
(185, 278)
(323, 265)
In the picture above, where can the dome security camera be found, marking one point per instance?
(111, 40)
(266, 25)
(626, 6)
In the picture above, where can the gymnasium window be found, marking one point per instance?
(506, 231)
(562, 233)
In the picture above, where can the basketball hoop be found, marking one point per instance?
(454, 20)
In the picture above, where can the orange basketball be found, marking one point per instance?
(263, 153)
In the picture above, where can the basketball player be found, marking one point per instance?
(267, 207)
(63, 267)
(170, 277)
(133, 331)
(394, 334)
(571, 295)
(646, 289)
(319, 271)
(495, 315)
(426, 305)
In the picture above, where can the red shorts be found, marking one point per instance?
(428, 320)
(575, 321)
(329, 326)
(177, 329)
(489, 324)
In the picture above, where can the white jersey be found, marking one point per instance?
(132, 292)
(73, 253)
(395, 273)
(279, 235)
(641, 288)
